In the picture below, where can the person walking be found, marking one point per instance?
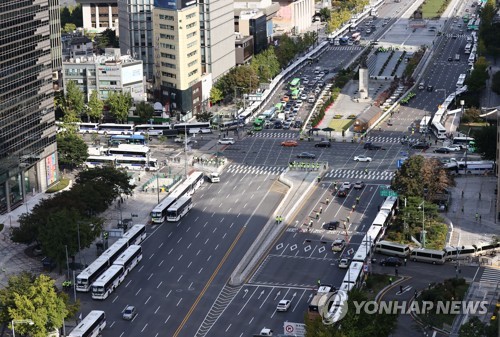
(404, 261)
(477, 216)
(317, 215)
(321, 210)
(396, 272)
(357, 200)
(327, 201)
(400, 289)
(390, 280)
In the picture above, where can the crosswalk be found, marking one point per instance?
(270, 134)
(255, 169)
(360, 174)
(491, 275)
(458, 35)
(355, 48)
(383, 139)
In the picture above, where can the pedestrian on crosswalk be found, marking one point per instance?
(353, 207)
(310, 223)
(357, 200)
(317, 215)
(366, 171)
(348, 219)
(327, 201)
(321, 210)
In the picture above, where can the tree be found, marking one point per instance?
(77, 15)
(485, 139)
(325, 14)
(72, 103)
(216, 94)
(204, 116)
(36, 298)
(72, 149)
(145, 111)
(473, 328)
(477, 79)
(69, 27)
(95, 106)
(119, 104)
(107, 39)
(65, 16)
(117, 181)
(266, 65)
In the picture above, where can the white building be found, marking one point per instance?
(294, 16)
(99, 15)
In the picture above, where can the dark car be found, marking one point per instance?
(371, 146)
(278, 125)
(298, 124)
(342, 192)
(442, 150)
(306, 155)
(331, 225)
(391, 261)
(422, 146)
(323, 143)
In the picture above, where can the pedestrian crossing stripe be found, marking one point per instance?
(344, 48)
(458, 35)
(288, 135)
(257, 169)
(383, 139)
(360, 174)
(490, 275)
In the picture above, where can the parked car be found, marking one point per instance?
(344, 263)
(323, 143)
(289, 143)
(362, 158)
(331, 225)
(347, 185)
(391, 261)
(226, 141)
(283, 305)
(442, 150)
(129, 313)
(306, 155)
(358, 185)
(423, 146)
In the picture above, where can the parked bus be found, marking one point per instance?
(108, 282)
(91, 326)
(129, 150)
(467, 48)
(438, 130)
(135, 235)
(151, 129)
(258, 124)
(129, 259)
(137, 163)
(127, 139)
(294, 84)
(179, 208)
(472, 59)
(115, 250)
(91, 273)
(392, 248)
(185, 127)
(229, 125)
(115, 129)
(100, 161)
(428, 255)
(424, 124)
(461, 80)
(464, 142)
(88, 127)
(481, 167)
(459, 253)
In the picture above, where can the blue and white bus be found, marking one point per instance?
(99, 161)
(137, 163)
(151, 129)
(130, 150)
(115, 129)
(127, 139)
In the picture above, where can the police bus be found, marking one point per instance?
(135, 234)
(108, 282)
(91, 273)
(130, 258)
(91, 326)
(115, 129)
(179, 208)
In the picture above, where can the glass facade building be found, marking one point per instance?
(28, 158)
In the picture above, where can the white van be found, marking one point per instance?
(392, 249)
(214, 177)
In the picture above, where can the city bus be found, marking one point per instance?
(127, 139)
(135, 235)
(137, 163)
(91, 273)
(88, 127)
(196, 127)
(461, 80)
(179, 208)
(424, 124)
(439, 130)
(129, 259)
(151, 129)
(115, 250)
(108, 282)
(295, 94)
(258, 124)
(472, 59)
(467, 48)
(294, 84)
(229, 125)
(464, 142)
(91, 326)
(392, 248)
(428, 255)
(115, 129)
(100, 161)
(279, 107)
(465, 18)
(130, 150)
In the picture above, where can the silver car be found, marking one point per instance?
(129, 312)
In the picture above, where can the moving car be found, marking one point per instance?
(289, 143)
(338, 245)
(306, 155)
(323, 143)
(442, 150)
(129, 312)
(362, 158)
(283, 305)
(226, 141)
(342, 192)
(391, 261)
(371, 146)
(347, 185)
(331, 225)
(358, 185)
(423, 146)
(344, 263)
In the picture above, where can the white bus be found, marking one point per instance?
(179, 208)
(91, 326)
(108, 282)
(88, 127)
(461, 80)
(115, 129)
(472, 167)
(459, 253)
(188, 126)
(463, 142)
(151, 129)
(468, 47)
(194, 181)
(130, 258)
(424, 124)
(392, 248)
(428, 255)
(100, 161)
(135, 235)
(113, 252)
(471, 60)
(439, 130)
(137, 163)
(91, 273)
(130, 150)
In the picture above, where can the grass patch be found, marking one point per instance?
(375, 283)
(433, 8)
(60, 185)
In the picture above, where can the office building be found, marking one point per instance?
(176, 27)
(28, 152)
(55, 41)
(99, 15)
(269, 8)
(294, 16)
(253, 23)
(217, 37)
(136, 32)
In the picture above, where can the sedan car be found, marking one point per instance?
(391, 261)
(129, 313)
(331, 225)
(323, 143)
(283, 305)
(442, 150)
(358, 185)
(342, 192)
(344, 263)
(226, 141)
(306, 155)
(362, 158)
(289, 143)
(454, 148)
(347, 185)
(423, 146)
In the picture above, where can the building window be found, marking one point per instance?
(167, 36)
(191, 73)
(194, 52)
(190, 16)
(167, 46)
(166, 17)
(167, 74)
(191, 25)
(190, 35)
(168, 27)
(192, 63)
(192, 44)
(168, 65)
(167, 56)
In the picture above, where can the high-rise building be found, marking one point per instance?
(176, 27)
(217, 37)
(55, 41)
(28, 158)
(136, 32)
(99, 15)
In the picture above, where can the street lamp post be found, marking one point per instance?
(422, 206)
(20, 321)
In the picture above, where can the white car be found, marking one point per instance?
(344, 263)
(454, 148)
(346, 185)
(303, 96)
(226, 141)
(283, 305)
(362, 158)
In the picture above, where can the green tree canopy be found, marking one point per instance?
(145, 111)
(485, 139)
(36, 298)
(266, 65)
(69, 28)
(72, 103)
(117, 181)
(119, 105)
(475, 328)
(65, 16)
(72, 149)
(216, 94)
(477, 79)
(77, 15)
(95, 106)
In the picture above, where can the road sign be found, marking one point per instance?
(400, 163)
(385, 192)
(294, 329)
